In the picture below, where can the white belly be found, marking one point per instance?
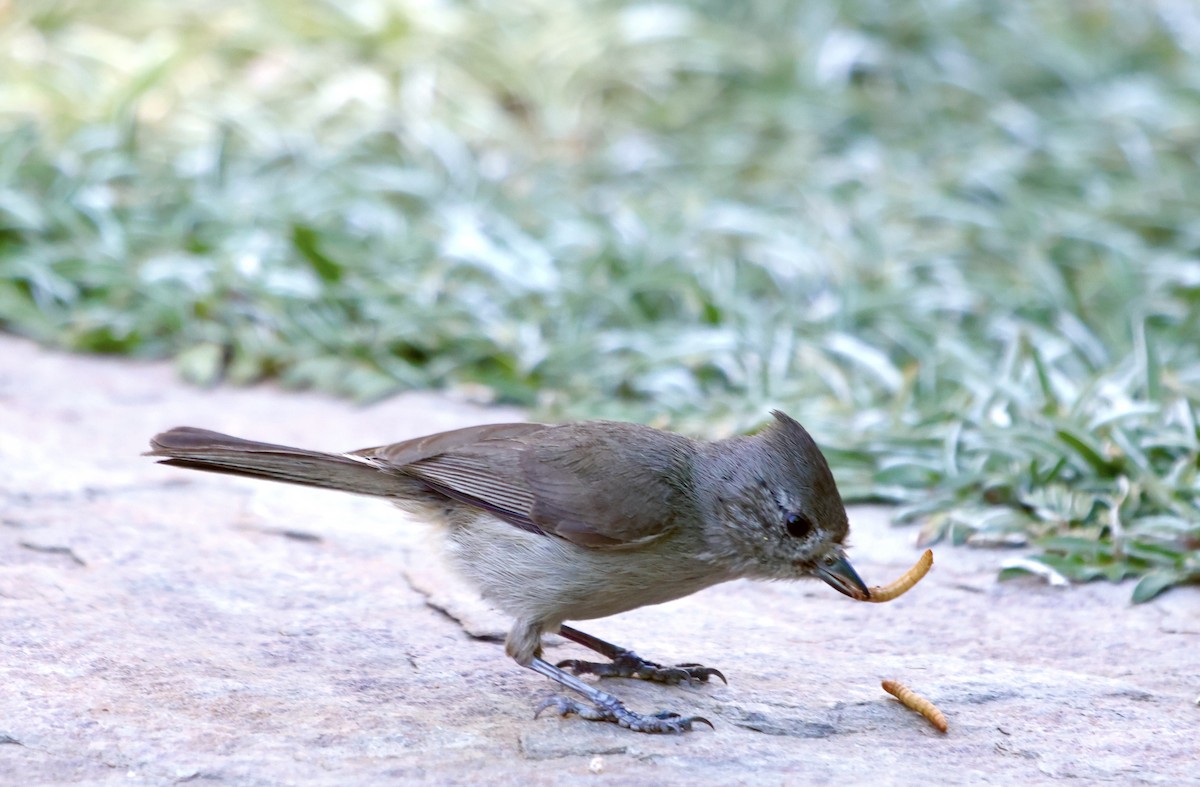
(539, 577)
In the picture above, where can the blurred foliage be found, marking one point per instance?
(960, 241)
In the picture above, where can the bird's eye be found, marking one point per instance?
(798, 525)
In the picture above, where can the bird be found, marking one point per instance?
(576, 521)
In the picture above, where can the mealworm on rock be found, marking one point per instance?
(910, 699)
(905, 582)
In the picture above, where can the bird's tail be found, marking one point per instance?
(201, 449)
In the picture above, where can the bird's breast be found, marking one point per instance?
(542, 577)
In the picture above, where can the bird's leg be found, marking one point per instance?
(606, 707)
(627, 664)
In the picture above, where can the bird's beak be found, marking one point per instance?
(841, 576)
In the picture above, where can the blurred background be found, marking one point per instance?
(960, 241)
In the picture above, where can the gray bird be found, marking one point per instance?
(556, 523)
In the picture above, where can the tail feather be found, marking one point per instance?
(201, 449)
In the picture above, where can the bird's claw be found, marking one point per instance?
(614, 711)
(628, 664)
(700, 672)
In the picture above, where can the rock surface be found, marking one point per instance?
(164, 626)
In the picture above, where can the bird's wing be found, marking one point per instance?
(419, 448)
(621, 485)
(478, 465)
(614, 486)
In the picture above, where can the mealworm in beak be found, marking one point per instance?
(910, 699)
(905, 582)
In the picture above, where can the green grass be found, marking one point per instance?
(959, 241)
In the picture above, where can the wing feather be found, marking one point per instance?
(596, 484)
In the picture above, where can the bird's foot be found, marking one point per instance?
(609, 708)
(628, 664)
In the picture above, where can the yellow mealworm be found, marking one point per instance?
(904, 583)
(910, 699)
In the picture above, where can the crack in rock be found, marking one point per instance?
(788, 727)
(448, 595)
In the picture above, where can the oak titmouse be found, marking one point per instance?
(585, 520)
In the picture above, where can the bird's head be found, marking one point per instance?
(775, 511)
